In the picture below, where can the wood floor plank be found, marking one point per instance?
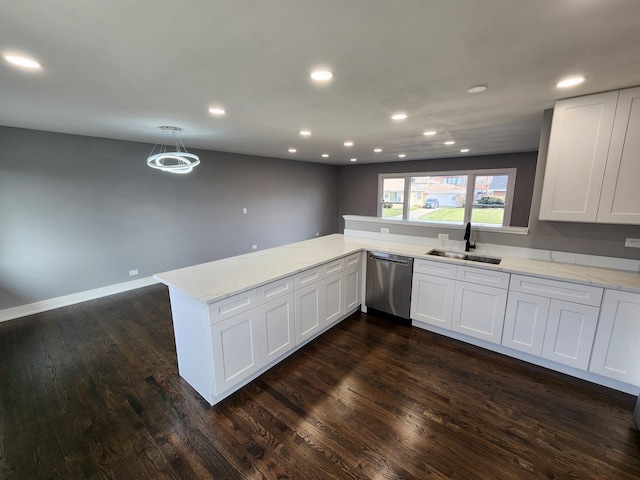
(92, 391)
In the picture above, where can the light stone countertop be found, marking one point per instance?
(213, 281)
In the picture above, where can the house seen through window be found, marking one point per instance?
(482, 197)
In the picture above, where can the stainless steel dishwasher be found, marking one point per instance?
(389, 283)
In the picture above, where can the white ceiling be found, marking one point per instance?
(122, 68)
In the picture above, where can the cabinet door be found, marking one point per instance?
(352, 288)
(309, 311)
(277, 329)
(571, 328)
(432, 300)
(620, 202)
(578, 146)
(525, 322)
(478, 311)
(616, 349)
(236, 349)
(334, 299)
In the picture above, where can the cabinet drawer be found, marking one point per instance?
(274, 290)
(482, 276)
(571, 292)
(307, 277)
(439, 269)
(231, 306)
(318, 273)
(332, 268)
(352, 260)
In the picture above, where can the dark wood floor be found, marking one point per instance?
(92, 391)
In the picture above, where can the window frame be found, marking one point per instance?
(471, 183)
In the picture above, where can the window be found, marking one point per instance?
(454, 198)
(393, 198)
(490, 192)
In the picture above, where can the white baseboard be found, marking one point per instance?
(52, 303)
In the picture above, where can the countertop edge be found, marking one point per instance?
(350, 245)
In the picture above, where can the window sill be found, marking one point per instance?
(436, 225)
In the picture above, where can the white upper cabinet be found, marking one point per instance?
(578, 148)
(620, 198)
(592, 165)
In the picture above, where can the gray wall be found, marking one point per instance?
(358, 190)
(77, 213)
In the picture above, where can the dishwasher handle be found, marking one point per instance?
(403, 263)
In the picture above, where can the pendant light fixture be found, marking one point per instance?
(177, 160)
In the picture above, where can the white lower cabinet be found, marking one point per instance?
(552, 319)
(616, 349)
(327, 299)
(478, 311)
(352, 287)
(309, 311)
(223, 345)
(277, 329)
(432, 300)
(236, 349)
(525, 322)
(555, 320)
(333, 298)
(569, 335)
(464, 299)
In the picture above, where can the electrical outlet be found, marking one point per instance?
(133, 273)
(317, 234)
(632, 242)
(583, 259)
(443, 236)
(384, 230)
(244, 211)
(254, 247)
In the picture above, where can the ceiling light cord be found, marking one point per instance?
(177, 161)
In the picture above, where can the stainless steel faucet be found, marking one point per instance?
(467, 235)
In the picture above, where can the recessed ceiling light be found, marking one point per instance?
(325, 155)
(348, 144)
(430, 132)
(354, 159)
(292, 150)
(477, 89)
(464, 150)
(377, 150)
(217, 111)
(322, 75)
(399, 116)
(22, 61)
(401, 155)
(570, 82)
(305, 133)
(449, 142)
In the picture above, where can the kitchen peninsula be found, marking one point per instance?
(235, 318)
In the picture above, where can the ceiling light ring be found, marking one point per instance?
(177, 161)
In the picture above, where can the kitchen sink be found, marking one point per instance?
(465, 256)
